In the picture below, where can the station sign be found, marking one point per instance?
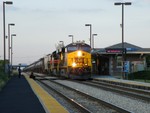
(114, 50)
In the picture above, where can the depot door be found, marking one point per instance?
(103, 65)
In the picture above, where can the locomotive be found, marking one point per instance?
(72, 61)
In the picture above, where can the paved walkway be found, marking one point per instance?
(111, 79)
(18, 97)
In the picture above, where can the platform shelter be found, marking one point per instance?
(108, 61)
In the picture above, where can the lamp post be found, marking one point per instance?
(11, 24)
(93, 39)
(9, 3)
(72, 37)
(90, 25)
(12, 48)
(123, 49)
(62, 43)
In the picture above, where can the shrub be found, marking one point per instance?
(3, 79)
(140, 75)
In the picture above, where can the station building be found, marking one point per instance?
(108, 61)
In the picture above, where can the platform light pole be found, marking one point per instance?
(90, 25)
(12, 48)
(62, 43)
(123, 49)
(4, 35)
(71, 37)
(93, 39)
(11, 24)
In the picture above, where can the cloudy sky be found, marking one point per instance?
(41, 24)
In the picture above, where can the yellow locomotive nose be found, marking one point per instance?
(79, 53)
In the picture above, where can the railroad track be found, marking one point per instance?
(69, 100)
(132, 92)
(84, 102)
(126, 102)
(129, 91)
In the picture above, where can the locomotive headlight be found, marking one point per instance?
(74, 64)
(79, 54)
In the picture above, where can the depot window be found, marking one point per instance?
(119, 61)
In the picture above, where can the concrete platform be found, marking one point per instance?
(24, 95)
(129, 83)
(18, 97)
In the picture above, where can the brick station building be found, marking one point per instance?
(108, 61)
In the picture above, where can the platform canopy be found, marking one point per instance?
(117, 49)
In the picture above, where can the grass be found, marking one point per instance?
(141, 76)
(3, 80)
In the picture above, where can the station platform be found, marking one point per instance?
(24, 95)
(128, 83)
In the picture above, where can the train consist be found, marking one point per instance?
(71, 61)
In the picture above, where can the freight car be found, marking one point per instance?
(39, 66)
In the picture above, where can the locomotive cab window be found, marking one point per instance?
(73, 48)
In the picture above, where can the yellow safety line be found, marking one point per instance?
(49, 102)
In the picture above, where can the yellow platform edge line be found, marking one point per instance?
(50, 104)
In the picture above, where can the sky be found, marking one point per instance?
(41, 24)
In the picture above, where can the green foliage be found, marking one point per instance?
(3, 79)
(1, 65)
(145, 75)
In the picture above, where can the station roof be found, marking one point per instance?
(130, 49)
(126, 45)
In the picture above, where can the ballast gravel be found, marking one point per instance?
(131, 104)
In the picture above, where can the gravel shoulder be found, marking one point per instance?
(134, 105)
